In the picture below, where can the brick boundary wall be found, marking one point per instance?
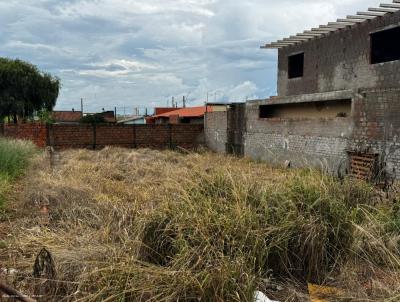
(70, 136)
(35, 132)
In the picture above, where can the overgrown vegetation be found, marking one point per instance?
(25, 89)
(127, 225)
(14, 158)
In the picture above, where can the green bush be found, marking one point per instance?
(93, 119)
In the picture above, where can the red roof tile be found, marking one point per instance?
(66, 116)
(187, 112)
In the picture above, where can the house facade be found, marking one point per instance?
(66, 117)
(338, 103)
(188, 115)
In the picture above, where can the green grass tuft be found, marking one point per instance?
(14, 158)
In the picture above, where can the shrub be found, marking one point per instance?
(93, 119)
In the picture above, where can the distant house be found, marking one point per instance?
(66, 117)
(190, 115)
(133, 120)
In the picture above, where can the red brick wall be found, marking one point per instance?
(130, 136)
(64, 136)
(34, 132)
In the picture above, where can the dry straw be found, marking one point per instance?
(143, 225)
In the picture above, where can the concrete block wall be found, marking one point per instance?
(320, 143)
(339, 61)
(215, 129)
(377, 126)
(373, 127)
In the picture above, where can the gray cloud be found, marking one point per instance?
(143, 52)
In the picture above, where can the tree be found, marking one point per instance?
(24, 89)
(93, 119)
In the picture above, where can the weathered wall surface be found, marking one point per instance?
(377, 126)
(215, 130)
(339, 61)
(314, 142)
(373, 127)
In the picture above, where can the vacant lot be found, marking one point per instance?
(142, 225)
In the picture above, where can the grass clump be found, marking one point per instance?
(299, 228)
(14, 158)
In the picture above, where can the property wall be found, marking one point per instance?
(64, 136)
(215, 130)
(35, 132)
(339, 61)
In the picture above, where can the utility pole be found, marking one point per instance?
(184, 102)
(173, 102)
(82, 106)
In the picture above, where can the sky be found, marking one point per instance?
(141, 53)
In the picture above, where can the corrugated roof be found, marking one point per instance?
(322, 30)
(132, 118)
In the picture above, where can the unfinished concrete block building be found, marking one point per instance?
(338, 103)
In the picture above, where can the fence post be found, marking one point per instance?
(1, 129)
(49, 135)
(94, 136)
(134, 136)
(170, 135)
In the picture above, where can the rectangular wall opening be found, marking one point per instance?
(309, 110)
(385, 46)
(296, 66)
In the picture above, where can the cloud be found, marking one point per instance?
(143, 52)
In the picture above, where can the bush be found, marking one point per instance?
(93, 119)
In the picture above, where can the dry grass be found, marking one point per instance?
(143, 225)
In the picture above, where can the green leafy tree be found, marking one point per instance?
(45, 116)
(24, 89)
